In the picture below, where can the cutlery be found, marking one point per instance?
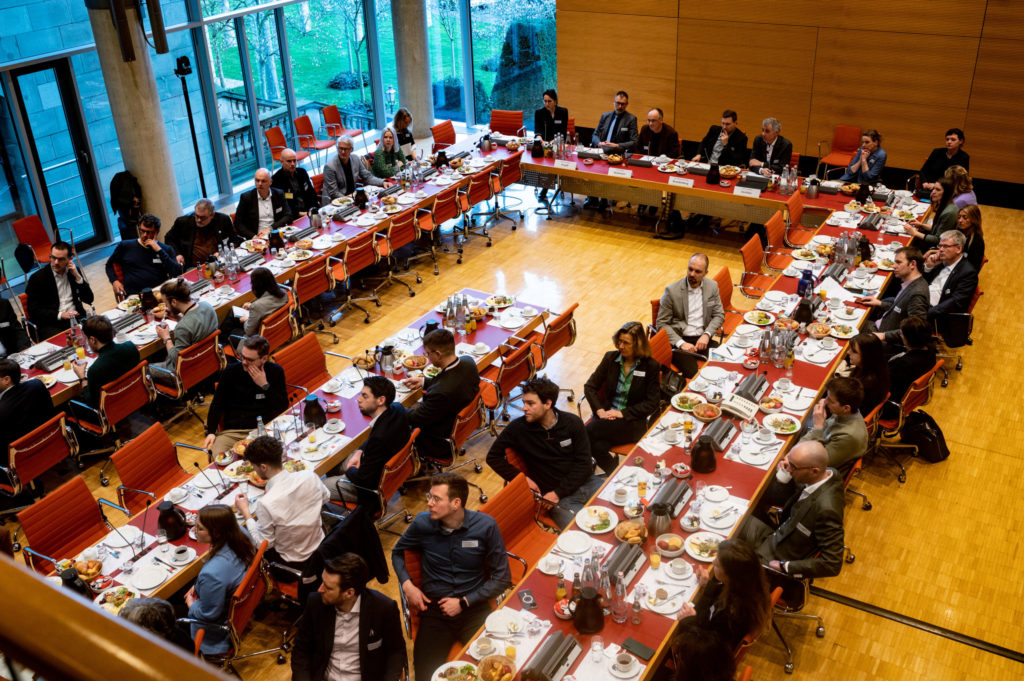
(660, 601)
(170, 568)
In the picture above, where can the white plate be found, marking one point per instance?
(481, 351)
(335, 431)
(111, 608)
(803, 254)
(584, 520)
(504, 622)
(332, 386)
(696, 396)
(543, 567)
(712, 374)
(801, 265)
(231, 472)
(48, 380)
(841, 314)
(716, 493)
(458, 664)
(149, 577)
(775, 418)
(216, 479)
(752, 317)
(182, 495)
(319, 455)
(441, 181)
(821, 239)
(698, 537)
(189, 557)
(794, 403)
(836, 333)
(407, 199)
(746, 329)
(634, 667)
(756, 457)
(777, 297)
(711, 515)
(574, 541)
(115, 540)
(511, 323)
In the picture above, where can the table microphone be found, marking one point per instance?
(106, 522)
(208, 478)
(152, 498)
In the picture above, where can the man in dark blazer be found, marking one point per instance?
(616, 132)
(772, 152)
(57, 293)
(368, 643)
(911, 301)
(952, 280)
(24, 405)
(444, 395)
(809, 540)
(196, 236)
(724, 144)
(389, 432)
(294, 181)
(12, 333)
(261, 208)
(691, 338)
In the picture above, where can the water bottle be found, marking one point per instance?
(232, 265)
(637, 611)
(620, 609)
(605, 588)
(277, 432)
(260, 428)
(764, 350)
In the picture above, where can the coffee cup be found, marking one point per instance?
(764, 436)
(680, 568)
(90, 554)
(623, 662)
(671, 434)
(481, 347)
(783, 384)
(333, 425)
(834, 303)
(180, 553)
(484, 645)
(620, 494)
(828, 342)
(551, 563)
(783, 476)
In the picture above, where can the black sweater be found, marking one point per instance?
(557, 459)
(239, 401)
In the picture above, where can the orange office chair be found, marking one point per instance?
(797, 235)
(446, 207)
(498, 382)
(193, 366)
(570, 128)
(30, 328)
(307, 138)
(845, 142)
(278, 327)
(360, 253)
(777, 257)
(480, 190)
(733, 317)
(468, 424)
(507, 122)
(918, 394)
(752, 636)
(747, 674)
(318, 185)
(871, 421)
(754, 282)
(30, 230)
(333, 125)
(401, 230)
(514, 510)
(661, 350)
(655, 309)
(312, 279)
(277, 143)
(557, 333)
(443, 134)
(395, 475)
(62, 524)
(149, 463)
(119, 399)
(305, 366)
(411, 616)
(509, 172)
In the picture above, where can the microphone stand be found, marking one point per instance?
(210, 480)
(120, 534)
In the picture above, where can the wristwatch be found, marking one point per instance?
(265, 386)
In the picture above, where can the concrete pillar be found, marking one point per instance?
(412, 54)
(138, 118)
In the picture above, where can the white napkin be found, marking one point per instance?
(631, 475)
(655, 444)
(572, 565)
(40, 349)
(738, 502)
(322, 242)
(524, 644)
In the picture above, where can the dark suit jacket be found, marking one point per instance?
(44, 303)
(957, 292)
(733, 154)
(907, 367)
(625, 134)
(247, 214)
(444, 396)
(23, 408)
(910, 302)
(782, 153)
(306, 199)
(113, 361)
(644, 389)
(668, 142)
(182, 234)
(389, 434)
(811, 534)
(12, 333)
(381, 646)
(730, 631)
(547, 126)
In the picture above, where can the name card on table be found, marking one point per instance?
(746, 191)
(619, 172)
(565, 165)
(677, 181)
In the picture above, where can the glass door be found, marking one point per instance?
(60, 149)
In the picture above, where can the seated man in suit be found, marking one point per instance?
(12, 334)
(294, 181)
(347, 630)
(911, 301)
(724, 144)
(691, 313)
(144, 262)
(809, 540)
(113, 360)
(952, 280)
(195, 237)
(616, 132)
(837, 424)
(342, 175)
(261, 209)
(389, 431)
(24, 405)
(57, 293)
(772, 152)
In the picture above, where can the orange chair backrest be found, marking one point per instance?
(776, 230)
(304, 363)
(559, 333)
(304, 127)
(661, 348)
(974, 299)
(506, 122)
(402, 230)
(446, 205)
(199, 361)
(724, 281)
(276, 141)
(511, 169)
(23, 299)
(747, 674)
(150, 463)
(512, 509)
(794, 161)
(312, 278)
(247, 597)
(920, 391)
(414, 566)
(570, 127)
(360, 252)
(278, 327)
(62, 523)
(38, 451)
(397, 470)
(871, 420)
(125, 395)
(467, 422)
(753, 255)
(655, 307)
(480, 189)
(846, 138)
(752, 636)
(443, 133)
(30, 230)
(318, 183)
(516, 367)
(331, 116)
(795, 208)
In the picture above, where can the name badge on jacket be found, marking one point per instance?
(624, 128)
(260, 396)
(896, 308)
(558, 122)
(156, 261)
(376, 644)
(470, 543)
(566, 442)
(803, 530)
(288, 195)
(4, 325)
(640, 374)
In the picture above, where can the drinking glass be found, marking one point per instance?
(596, 648)
(161, 539)
(129, 567)
(748, 427)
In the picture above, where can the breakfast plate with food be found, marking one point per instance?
(300, 254)
(759, 317)
(686, 401)
(803, 254)
(781, 424)
(499, 302)
(238, 471)
(703, 546)
(596, 519)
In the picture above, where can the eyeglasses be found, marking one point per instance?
(250, 360)
(947, 245)
(341, 149)
(433, 498)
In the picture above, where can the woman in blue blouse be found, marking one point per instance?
(231, 553)
(866, 166)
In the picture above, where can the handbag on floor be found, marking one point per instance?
(921, 430)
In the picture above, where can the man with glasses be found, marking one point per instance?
(691, 313)
(658, 138)
(724, 144)
(143, 262)
(261, 209)
(342, 175)
(252, 388)
(294, 181)
(616, 132)
(952, 280)
(57, 293)
(196, 237)
(772, 152)
(809, 539)
(464, 567)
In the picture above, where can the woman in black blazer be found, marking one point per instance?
(622, 392)
(550, 119)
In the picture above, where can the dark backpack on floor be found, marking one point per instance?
(921, 430)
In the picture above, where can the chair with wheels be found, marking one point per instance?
(446, 207)
(193, 366)
(918, 394)
(871, 422)
(515, 366)
(318, 184)
(277, 143)
(557, 333)
(401, 230)
(313, 278)
(508, 173)
(307, 137)
(360, 253)
(845, 142)
(733, 317)
(661, 350)
(777, 257)
(305, 366)
(507, 122)
(479, 191)
(752, 636)
(278, 327)
(790, 605)
(443, 134)
(411, 616)
(515, 511)
(797, 234)
(30, 230)
(149, 467)
(753, 281)
(953, 331)
(469, 423)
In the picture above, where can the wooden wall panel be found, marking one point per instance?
(1004, 19)
(995, 130)
(591, 69)
(654, 8)
(938, 17)
(773, 80)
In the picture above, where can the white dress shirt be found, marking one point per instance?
(266, 210)
(694, 311)
(344, 663)
(935, 288)
(289, 514)
(811, 489)
(65, 300)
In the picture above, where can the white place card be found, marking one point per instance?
(677, 181)
(565, 165)
(746, 191)
(619, 172)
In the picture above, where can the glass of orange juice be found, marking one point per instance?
(80, 352)
(510, 652)
(67, 365)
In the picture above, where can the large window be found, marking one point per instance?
(444, 37)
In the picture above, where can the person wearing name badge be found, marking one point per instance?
(293, 180)
(262, 208)
(402, 124)
(952, 279)
(342, 175)
(616, 133)
(56, 293)
(724, 144)
(868, 161)
(911, 300)
(772, 152)
(197, 236)
(144, 262)
(691, 313)
(550, 119)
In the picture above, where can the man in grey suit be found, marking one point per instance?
(616, 132)
(342, 174)
(809, 540)
(837, 424)
(911, 301)
(691, 312)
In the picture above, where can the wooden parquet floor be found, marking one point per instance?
(943, 548)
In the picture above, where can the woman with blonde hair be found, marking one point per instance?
(968, 221)
(388, 157)
(963, 187)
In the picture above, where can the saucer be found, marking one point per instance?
(189, 557)
(334, 431)
(763, 441)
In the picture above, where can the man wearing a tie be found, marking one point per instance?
(616, 132)
(809, 540)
